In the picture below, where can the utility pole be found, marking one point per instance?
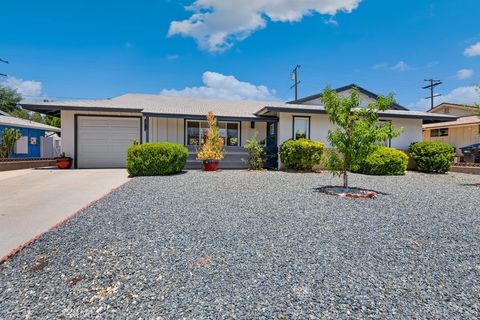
(431, 86)
(4, 61)
(295, 80)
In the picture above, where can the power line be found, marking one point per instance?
(295, 80)
(431, 86)
(4, 61)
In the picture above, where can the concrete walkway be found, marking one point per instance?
(33, 200)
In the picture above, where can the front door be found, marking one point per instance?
(271, 148)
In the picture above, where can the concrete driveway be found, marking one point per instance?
(34, 200)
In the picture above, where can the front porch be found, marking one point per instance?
(188, 131)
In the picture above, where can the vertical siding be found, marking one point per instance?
(457, 137)
(166, 129)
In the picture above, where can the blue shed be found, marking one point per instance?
(32, 132)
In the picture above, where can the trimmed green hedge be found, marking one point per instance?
(301, 154)
(385, 161)
(432, 156)
(156, 159)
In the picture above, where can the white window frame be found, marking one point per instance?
(220, 123)
(294, 136)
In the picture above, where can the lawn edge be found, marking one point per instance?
(15, 251)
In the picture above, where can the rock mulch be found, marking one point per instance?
(258, 245)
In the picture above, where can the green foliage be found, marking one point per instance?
(432, 156)
(256, 153)
(156, 158)
(9, 98)
(358, 130)
(301, 154)
(7, 142)
(385, 161)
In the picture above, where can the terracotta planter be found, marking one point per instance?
(64, 163)
(210, 165)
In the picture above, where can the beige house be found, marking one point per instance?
(459, 133)
(97, 133)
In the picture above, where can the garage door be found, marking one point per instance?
(102, 142)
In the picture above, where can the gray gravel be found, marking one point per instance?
(258, 245)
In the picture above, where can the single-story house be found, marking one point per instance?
(37, 139)
(97, 133)
(463, 131)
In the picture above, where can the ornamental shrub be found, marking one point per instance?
(256, 153)
(156, 159)
(432, 156)
(301, 154)
(213, 147)
(385, 161)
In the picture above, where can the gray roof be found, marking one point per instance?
(295, 108)
(370, 94)
(173, 106)
(22, 123)
(151, 104)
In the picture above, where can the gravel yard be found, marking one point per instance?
(238, 244)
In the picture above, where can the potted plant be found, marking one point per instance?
(212, 150)
(63, 162)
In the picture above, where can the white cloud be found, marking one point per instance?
(462, 95)
(473, 50)
(379, 66)
(400, 66)
(172, 57)
(463, 74)
(217, 24)
(219, 86)
(27, 88)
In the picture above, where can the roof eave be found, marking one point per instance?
(55, 109)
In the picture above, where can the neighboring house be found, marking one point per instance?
(35, 141)
(97, 133)
(461, 132)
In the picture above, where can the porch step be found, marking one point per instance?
(232, 160)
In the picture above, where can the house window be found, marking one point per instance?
(197, 132)
(442, 132)
(301, 127)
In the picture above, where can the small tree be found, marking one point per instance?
(256, 153)
(7, 142)
(9, 98)
(358, 131)
(213, 147)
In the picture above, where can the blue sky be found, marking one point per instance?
(240, 49)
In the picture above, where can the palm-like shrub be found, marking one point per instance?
(7, 141)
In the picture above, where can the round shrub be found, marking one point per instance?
(301, 154)
(156, 159)
(432, 156)
(385, 161)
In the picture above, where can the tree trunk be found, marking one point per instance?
(345, 180)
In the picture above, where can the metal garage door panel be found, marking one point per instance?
(103, 141)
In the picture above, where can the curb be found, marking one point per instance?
(13, 252)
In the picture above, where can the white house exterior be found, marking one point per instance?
(97, 133)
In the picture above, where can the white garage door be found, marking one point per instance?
(102, 142)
